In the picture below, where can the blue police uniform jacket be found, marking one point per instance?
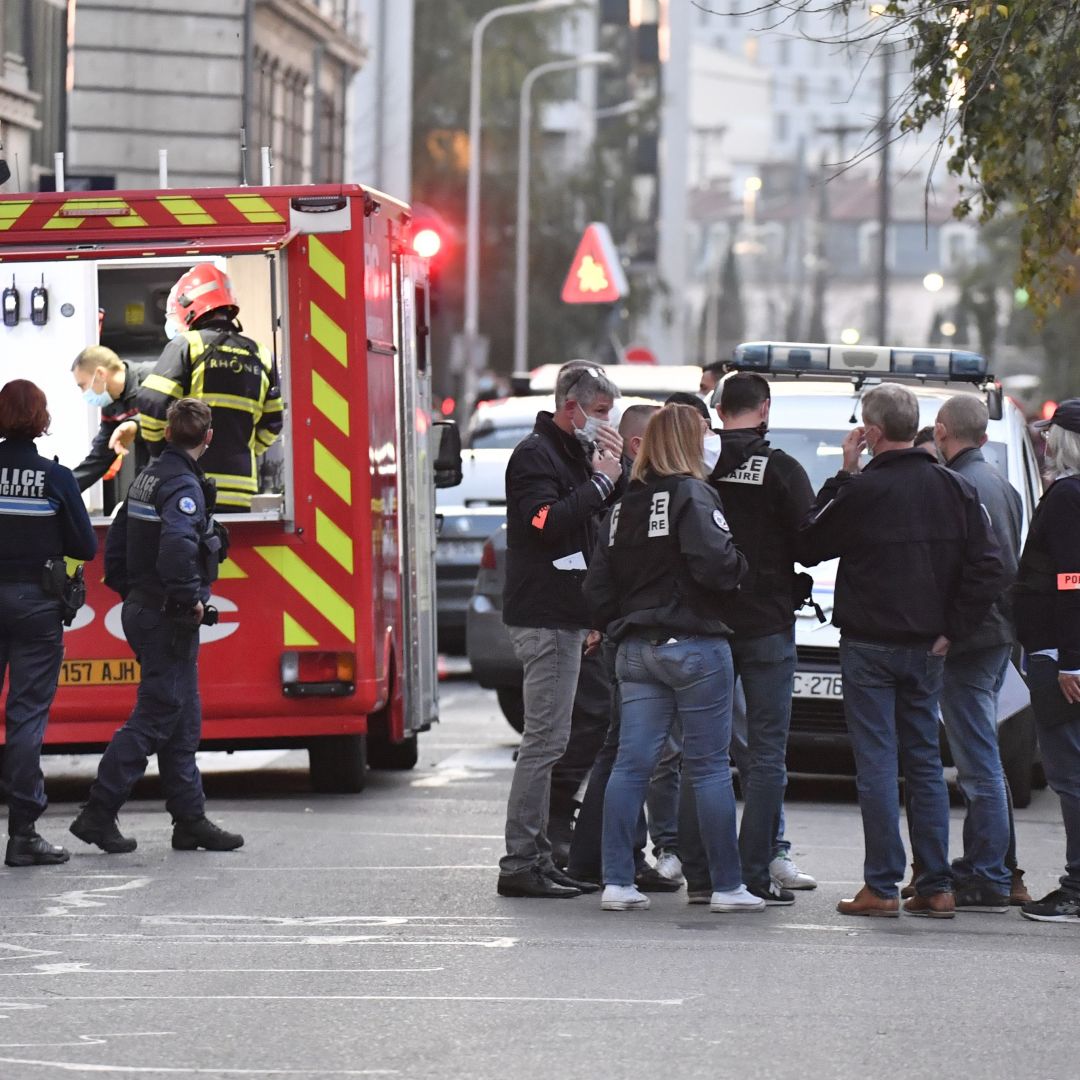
(162, 545)
(42, 515)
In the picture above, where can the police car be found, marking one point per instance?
(816, 391)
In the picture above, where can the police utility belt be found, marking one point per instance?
(172, 609)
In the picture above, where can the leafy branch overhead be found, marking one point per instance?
(997, 82)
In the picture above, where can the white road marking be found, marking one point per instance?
(491, 866)
(74, 899)
(470, 998)
(20, 952)
(290, 940)
(484, 757)
(86, 1040)
(820, 926)
(84, 968)
(445, 777)
(158, 1070)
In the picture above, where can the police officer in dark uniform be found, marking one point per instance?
(161, 555)
(112, 385)
(42, 519)
(663, 561)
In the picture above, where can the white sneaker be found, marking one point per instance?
(668, 866)
(740, 899)
(788, 876)
(623, 898)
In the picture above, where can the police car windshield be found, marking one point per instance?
(820, 455)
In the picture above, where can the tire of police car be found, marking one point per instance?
(512, 703)
(337, 764)
(1017, 741)
(383, 754)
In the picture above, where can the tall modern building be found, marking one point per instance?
(189, 78)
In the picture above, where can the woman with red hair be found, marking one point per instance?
(42, 519)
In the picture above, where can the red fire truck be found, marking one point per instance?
(327, 632)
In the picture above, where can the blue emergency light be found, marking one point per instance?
(858, 361)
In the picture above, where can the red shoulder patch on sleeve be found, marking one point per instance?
(540, 517)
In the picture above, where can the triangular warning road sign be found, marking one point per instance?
(596, 275)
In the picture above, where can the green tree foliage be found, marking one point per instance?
(997, 82)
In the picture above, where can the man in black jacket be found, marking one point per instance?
(919, 570)
(558, 481)
(112, 385)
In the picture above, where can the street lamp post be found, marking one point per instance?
(472, 200)
(521, 291)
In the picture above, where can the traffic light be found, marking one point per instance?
(431, 238)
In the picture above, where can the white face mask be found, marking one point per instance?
(712, 451)
(590, 429)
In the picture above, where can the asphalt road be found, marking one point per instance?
(362, 936)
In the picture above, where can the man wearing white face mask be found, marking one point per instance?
(559, 480)
(112, 385)
(766, 495)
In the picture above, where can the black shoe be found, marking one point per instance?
(648, 879)
(191, 833)
(564, 879)
(974, 894)
(773, 894)
(95, 825)
(560, 853)
(1058, 906)
(532, 883)
(26, 848)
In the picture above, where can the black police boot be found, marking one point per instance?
(26, 848)
(96, 825)
(190, 834)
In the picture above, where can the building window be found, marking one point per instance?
(330, 153)
(279, 116)
(781, 121)
(868, 246)
(783, 51)
(800, 89)
(956, 246)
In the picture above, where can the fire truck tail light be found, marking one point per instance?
(318, 674)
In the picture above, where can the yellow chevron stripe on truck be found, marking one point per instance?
(298, 575)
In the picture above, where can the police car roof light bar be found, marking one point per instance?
(858, 362)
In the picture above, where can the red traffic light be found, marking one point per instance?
(427, 243)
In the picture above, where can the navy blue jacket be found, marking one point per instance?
(42, 515)
(161, 542)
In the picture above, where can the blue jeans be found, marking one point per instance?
(31, 649)
(766, 666)
(891, 697)
(166, 720)
(662, 800)
(969, 710)
(1058, 722)
(691, 679)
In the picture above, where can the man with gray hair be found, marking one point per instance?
(558, 482)
(975, 671)
(918, 570)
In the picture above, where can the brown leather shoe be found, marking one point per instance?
(939, 905)
(867, 902)
(1018, 893)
